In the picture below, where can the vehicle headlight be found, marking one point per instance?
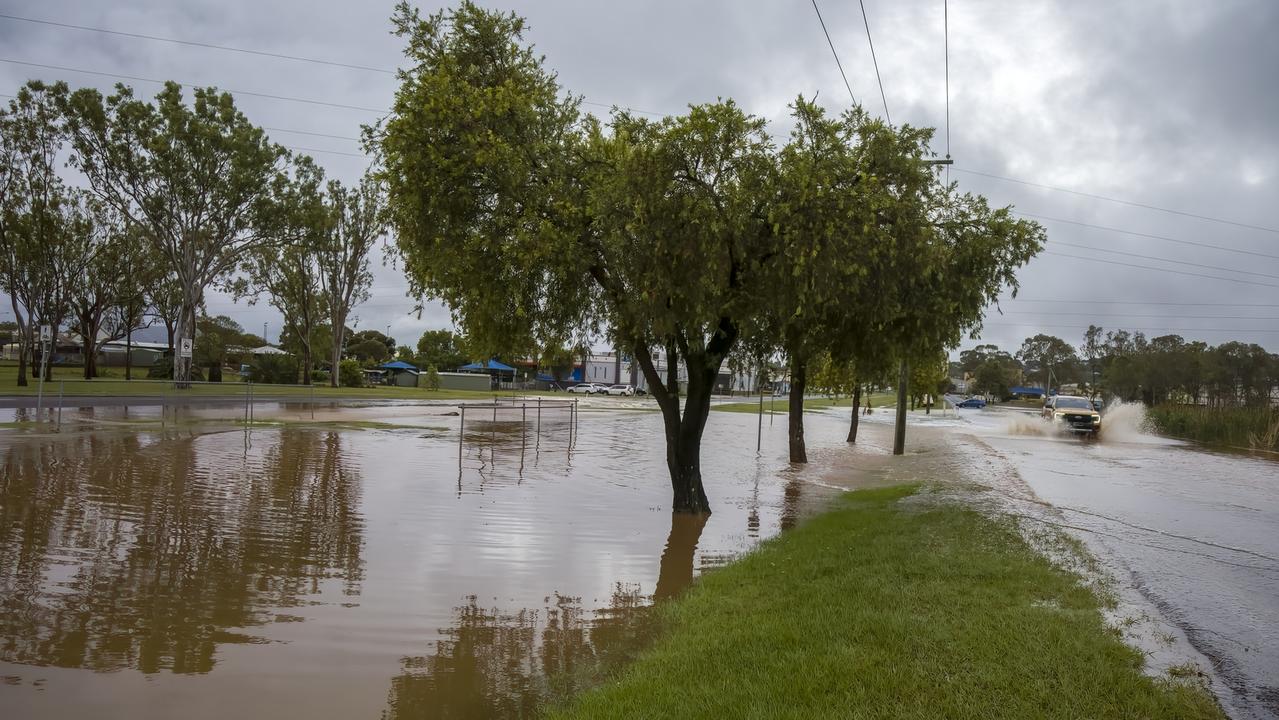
(1096, 419)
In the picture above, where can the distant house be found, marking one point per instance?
(1026, 393)
(499, 372)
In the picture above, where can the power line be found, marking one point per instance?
(1167, 270)
(838, 64)
(1141, 315)
(314, 134)
(1121, 202)
(261, 53)
(161, 82)
(1142, 302)
(1142, 328)
(1163, 259)
(870, 42)
(328, 152)
(194, 43)
(1148, 235)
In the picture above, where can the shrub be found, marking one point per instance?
(350, 374)
(274, 369)
(432, 378)
(319, 376)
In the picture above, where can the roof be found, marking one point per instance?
(488, 365)
(269, 350)
(397, 365)
(1026, 391)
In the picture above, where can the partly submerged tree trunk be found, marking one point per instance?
(857, 401)
(684, 431)
(798, 383)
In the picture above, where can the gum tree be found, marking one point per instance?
(355, 219)
(537, 225)
(199, 178)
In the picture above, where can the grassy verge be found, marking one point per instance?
(1251, 427)
(781, 404)
(879, 610)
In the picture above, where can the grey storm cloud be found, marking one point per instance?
(1167, 104)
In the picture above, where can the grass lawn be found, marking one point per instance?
(112, 383)
(781, 404)
(881, 609)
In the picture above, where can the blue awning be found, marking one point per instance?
(397, 365)
(487, 365)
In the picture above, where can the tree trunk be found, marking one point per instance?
(22, 364)
(339, 331)
(684, 434)
(857, 401)
(798, 382)
(23, 342)
(128, 351)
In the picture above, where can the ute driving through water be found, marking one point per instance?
(1071, 413)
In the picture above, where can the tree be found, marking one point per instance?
(40, 222)
(432, 378)
(108, 260)
(993, 378)
(441, 349)
(356, 219)
(370, 346)
(200, 179)
(216, 339)
(533, 223)
(288, 274)
(1046, 353)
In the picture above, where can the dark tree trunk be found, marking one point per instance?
(128, 351)
(684, 433)
(798, 382)
(676, 571)
(857, 401)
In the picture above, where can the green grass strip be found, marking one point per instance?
(884, 609)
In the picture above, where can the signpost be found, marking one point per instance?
(46, 340)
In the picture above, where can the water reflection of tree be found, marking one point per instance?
(117, 551)
(490, 664)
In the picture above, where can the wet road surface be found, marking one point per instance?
(1196, 531)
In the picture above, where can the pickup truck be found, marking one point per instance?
(1072, 414)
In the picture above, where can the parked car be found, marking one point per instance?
(583, 388)
(972, 402)
(1072, 413)
(621, 390)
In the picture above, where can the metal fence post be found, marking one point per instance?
(312, 401)
(461, 432)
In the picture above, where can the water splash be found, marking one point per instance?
(1025, 424)
(1125, 422)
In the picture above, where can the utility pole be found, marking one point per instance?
(268, 342)
(899, 432)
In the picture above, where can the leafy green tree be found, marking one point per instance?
(441, 349)
(993, 378)
(352, 374)
(432, 378)
(356, 219)
(288, 274)
(533, 223)
(1049, 355)
(218, 340)
(199, 178)
(274, 369)
(43, 229)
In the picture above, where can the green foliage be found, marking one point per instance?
(200, 180)
(441, 349)
(1051, 356)
(350, 374)
(432, 380)
(1255, 427)
(274, 369)
(220, 340)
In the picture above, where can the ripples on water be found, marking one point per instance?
(148, 574)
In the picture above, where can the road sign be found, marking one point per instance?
(185, 349)
(46, 333)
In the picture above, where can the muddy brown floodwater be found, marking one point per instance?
(325, 573)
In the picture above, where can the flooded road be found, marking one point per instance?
(1196, 532)
(341, 573)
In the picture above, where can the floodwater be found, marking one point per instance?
(205, 572)
(1195, 532)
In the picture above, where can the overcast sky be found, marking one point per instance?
(1164, 104)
